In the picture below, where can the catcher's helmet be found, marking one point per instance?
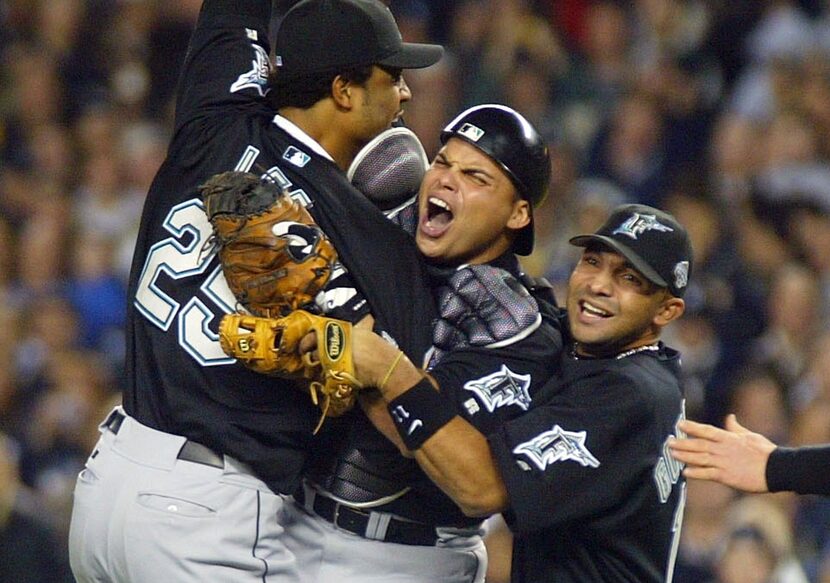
(514, 144)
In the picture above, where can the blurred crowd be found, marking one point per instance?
(716, 111)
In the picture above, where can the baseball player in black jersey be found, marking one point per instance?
(584, 477)
(184, 482)
(495, 343)
(748, 461)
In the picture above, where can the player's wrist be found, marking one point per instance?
(419, 412)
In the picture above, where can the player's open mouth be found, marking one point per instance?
(592, 311)
(438, 217)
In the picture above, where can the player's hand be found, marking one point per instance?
(733, 456)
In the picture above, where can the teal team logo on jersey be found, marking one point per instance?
(257, 77)
(501, 389)
(557, 445)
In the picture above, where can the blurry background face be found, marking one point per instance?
(745, 560)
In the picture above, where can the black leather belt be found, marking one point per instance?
(358, 522)
(191, 451)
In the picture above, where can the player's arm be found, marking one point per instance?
(750, 462)
(735, 456)
(453, 453)
(227, 58)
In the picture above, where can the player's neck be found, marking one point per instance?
(582, 351)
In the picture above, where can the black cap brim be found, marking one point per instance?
(413, 56)
(635, 260)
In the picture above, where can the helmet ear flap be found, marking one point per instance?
(514, 144)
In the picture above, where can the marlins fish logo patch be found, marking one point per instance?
(257, 77)
(638, 224)
(501, 389)
(557, 445)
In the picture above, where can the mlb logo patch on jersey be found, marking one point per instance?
(471, 132)
(556, 445)
(502, 389)
(296, 157)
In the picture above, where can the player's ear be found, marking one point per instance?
(670, 309)
(341, 92)
(520, 216)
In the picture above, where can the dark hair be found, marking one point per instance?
(303, 91)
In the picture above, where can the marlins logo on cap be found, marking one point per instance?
(652, 240)
(638, 223)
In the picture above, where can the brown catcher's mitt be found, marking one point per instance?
(274, 257)
(271, 346)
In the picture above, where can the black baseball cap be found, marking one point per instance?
(321, 35)
(652, 240)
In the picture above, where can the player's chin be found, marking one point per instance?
(431, 249)
(589, 334)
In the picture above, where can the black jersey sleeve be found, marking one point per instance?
(587, 453)
(490, 386)
(803, 470)
(220, 71)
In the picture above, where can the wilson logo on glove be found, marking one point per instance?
(334, 341)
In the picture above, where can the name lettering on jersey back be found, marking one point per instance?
(499, 389)
(667, 470)
(556, 445)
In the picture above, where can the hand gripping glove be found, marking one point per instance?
(272, 346)
(274, 257)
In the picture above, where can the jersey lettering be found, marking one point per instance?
(178, 261)
(667, 473)
(675, 538)
(667, 470)
(280, 179)
(181, 256)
